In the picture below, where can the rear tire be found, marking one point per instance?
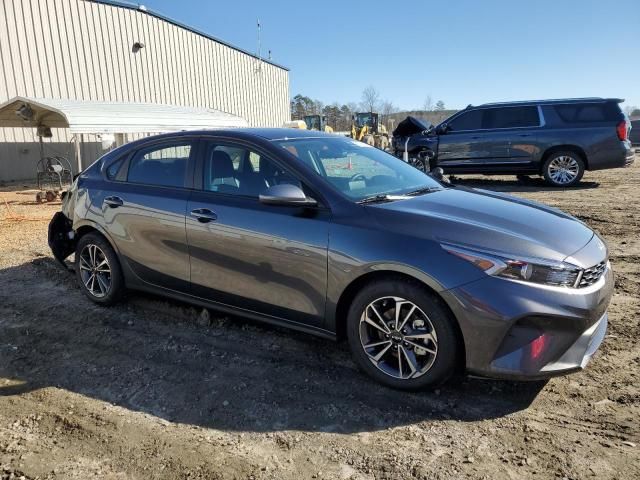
(421, 341)
(98, 270)
(563, 169)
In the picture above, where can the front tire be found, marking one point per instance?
(563, 169)
(418, 163)
(402, 335)
(524, 178)
(98, 270)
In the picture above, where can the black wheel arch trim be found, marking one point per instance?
(91, 225)
(337, 308)
(564, 148)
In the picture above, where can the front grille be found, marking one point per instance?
(592, 274)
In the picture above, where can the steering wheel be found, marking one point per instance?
(358, 176)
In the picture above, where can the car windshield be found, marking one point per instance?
(358, 170)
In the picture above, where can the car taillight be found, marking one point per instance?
(622, 130)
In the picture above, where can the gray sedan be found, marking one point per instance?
(333, 237)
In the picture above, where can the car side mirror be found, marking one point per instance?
(286, 194)
(442, 129)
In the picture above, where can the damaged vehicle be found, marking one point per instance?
(556, 139)
(412, 142)
(336, 238)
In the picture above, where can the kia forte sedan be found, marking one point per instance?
(328, 235)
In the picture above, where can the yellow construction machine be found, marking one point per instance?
(366, 128)
(317, 122)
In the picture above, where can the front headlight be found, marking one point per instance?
(529, 270)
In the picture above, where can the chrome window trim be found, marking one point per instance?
(543, 122)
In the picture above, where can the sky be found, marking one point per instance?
(458, 51)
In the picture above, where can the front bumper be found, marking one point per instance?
(524, 332)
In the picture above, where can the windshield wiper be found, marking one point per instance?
(382, 198)
(422, 191)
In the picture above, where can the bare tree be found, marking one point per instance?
(370, 98)
(632, 111)
(387, 108)
(439, 106)
(428, 104)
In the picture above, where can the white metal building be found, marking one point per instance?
(112, 51)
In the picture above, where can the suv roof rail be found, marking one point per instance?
(555, 100)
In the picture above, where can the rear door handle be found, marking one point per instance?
(204, 215)
(113, 202)
(524, 135)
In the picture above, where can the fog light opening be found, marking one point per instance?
(537, 347)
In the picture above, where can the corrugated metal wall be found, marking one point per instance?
(83, 50)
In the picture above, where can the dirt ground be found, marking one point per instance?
(153, 389)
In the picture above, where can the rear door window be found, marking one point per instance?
(163, 165)
(471, 120)
(511, 117)
(588, 112)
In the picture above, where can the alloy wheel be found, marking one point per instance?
(418, 163)
(95, 270)
(398, 337)
(563, 169)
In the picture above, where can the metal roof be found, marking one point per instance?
(86, 116)
(143, 9)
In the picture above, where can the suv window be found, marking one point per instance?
(588, 112)
(164, 165)
(240, 171)
(511, 117)
(471, 120)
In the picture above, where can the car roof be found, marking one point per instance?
(284, 133)
(263, 133)
(550, 101)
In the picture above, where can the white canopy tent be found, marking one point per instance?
(115, 118)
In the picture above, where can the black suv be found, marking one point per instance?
(558, 139)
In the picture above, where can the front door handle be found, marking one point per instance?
(204, 215)
(524, 135)
(113, 202)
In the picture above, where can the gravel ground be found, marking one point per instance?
(152, 389)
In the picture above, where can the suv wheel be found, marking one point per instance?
(563, 169)
(418, 163)
(402, 336)
(98, 270)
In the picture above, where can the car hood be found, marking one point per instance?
(488, 221)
